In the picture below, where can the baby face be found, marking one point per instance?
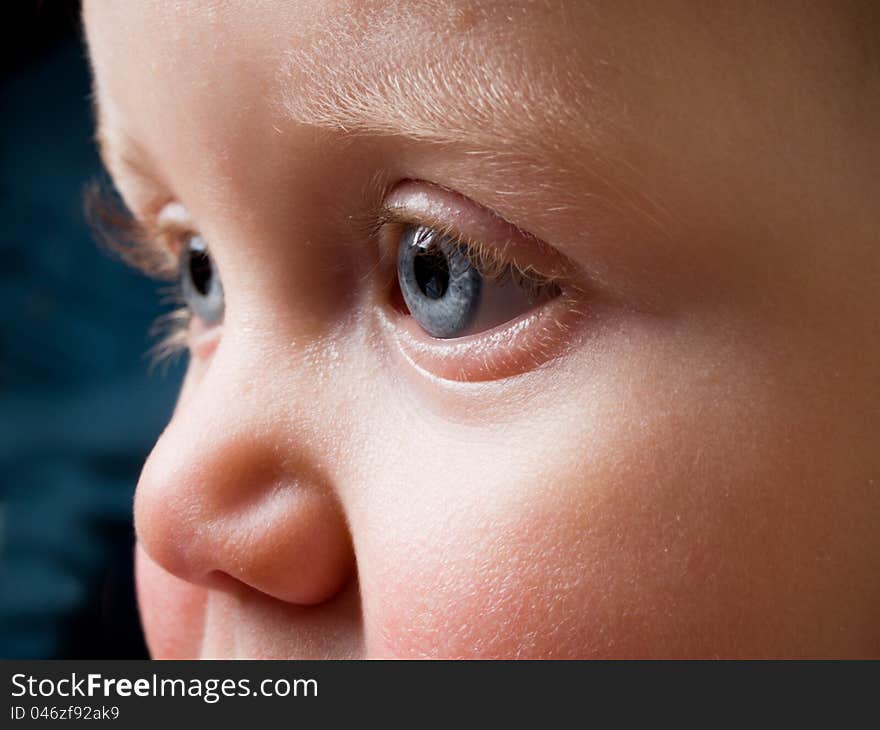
(536, 330)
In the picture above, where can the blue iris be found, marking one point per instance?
(200, 282)
(439, 284)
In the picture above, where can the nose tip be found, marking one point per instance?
(235, 508)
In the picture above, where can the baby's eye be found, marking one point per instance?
(451, 294)
(199, 281)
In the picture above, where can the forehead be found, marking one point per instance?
(310, 42)
(450, 71)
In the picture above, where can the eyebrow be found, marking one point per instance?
(413, 72)
(509, 123)
(518, 116)
(440, 100)
(434, 71)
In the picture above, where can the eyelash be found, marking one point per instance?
(144, 248)
(490, 261)
(147, 249)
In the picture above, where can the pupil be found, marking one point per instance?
(432, 274)
(200, 271)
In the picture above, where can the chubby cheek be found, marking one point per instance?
(496, 599)
(557, 577)
(649, 556)
(172, 610)
(556, 581)
(493, 566)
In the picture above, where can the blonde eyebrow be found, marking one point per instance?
(477, 89)
(444, 85)
(473, 87)
(444, 101)
(550, 125)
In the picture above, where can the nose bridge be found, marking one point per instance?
(235, 486)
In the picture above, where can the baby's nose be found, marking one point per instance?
(230, 492)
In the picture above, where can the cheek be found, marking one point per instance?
(629, 548)
(546, 578)
(495, 600)
(499, 565)
(172, 611)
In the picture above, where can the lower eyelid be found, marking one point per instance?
(203, 340)
(502, 352)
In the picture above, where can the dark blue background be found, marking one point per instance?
(79, 410)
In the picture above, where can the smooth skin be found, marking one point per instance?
(678, 458)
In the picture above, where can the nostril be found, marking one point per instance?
(219, 580)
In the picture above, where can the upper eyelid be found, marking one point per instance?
(487, 232)
(172, 224)
(490, 261)
(173, 216)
